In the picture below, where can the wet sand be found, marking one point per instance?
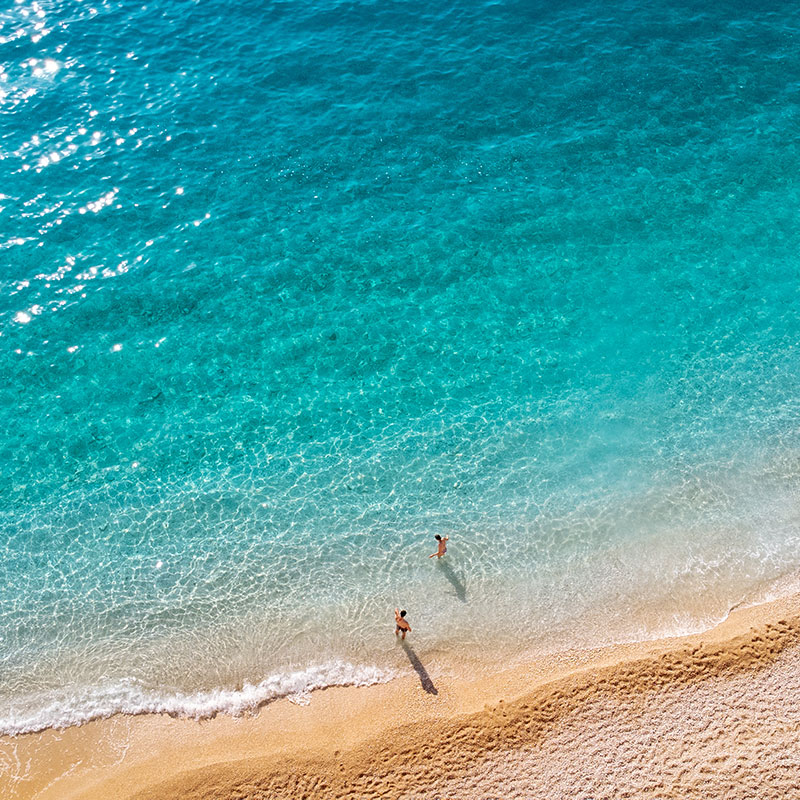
(714, 715)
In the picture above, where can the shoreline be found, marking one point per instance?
(419, 736)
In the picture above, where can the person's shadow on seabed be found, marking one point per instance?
(419, 668)
(457, 583)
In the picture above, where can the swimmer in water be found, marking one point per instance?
(402, 624)
(442, 546)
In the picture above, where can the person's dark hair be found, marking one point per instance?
(438, 538)
(402, 613)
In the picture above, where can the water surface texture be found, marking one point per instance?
(286, 288)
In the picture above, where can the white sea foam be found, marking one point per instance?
(68, 707)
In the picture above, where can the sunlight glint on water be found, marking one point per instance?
(286, 289)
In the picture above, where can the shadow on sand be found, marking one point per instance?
(458, 584)
(419, 668)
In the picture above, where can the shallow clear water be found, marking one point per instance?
(286, 288)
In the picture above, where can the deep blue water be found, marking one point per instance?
(287, 288)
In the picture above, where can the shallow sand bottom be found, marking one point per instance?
(716, 715)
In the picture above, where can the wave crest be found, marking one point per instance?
(65, 708)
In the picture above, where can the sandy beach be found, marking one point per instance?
(289, 289)
(710, 715)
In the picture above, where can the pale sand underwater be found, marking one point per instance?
(713, 715)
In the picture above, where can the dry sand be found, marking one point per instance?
(716, 715)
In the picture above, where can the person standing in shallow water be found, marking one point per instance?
(402, 624)
(442, 546)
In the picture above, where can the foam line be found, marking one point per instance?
(63, 709)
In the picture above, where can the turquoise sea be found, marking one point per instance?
(287, 288)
